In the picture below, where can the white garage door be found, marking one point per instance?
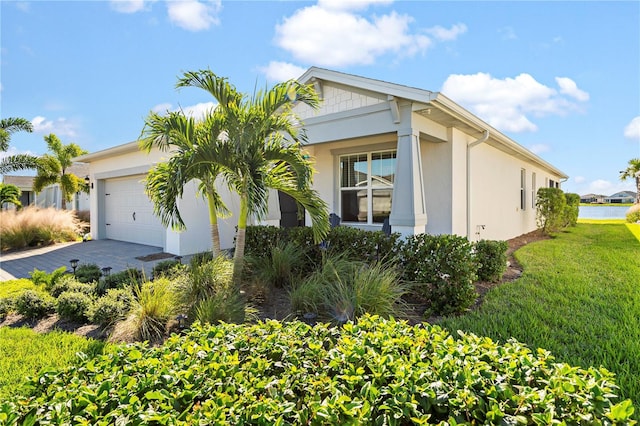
(129, 213)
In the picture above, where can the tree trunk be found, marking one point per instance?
(238, 256)
(638, 188)
(215, 233)
(63, 202)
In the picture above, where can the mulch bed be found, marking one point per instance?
(155, 256)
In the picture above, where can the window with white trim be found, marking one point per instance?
(523, 189)
(533, 190)
(366, 186)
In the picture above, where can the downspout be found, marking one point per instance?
(482, 139)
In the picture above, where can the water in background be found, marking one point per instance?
(603, 212)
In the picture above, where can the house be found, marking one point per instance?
(50, 196)
(382, 150)
(621, 197)
(593, 198)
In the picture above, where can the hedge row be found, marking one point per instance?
(371, 372)
(442, 267)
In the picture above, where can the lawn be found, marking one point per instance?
(579, 297)
(24, 352)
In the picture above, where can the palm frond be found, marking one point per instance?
(18, 162)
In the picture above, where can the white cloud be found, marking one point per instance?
(539, 148)
(281, 71)
(14, 151)
(632, 131)
(332, 34)
(60, 126)
(508, 33)
(127, 6)
(444, 34)
(579, 179)
(507, 104)
(570, 88)
(162, 108)
(194, 15)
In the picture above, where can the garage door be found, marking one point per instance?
(129, 213)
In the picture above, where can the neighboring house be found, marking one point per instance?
(621, 197)
(51, 195)
(382, 150)
(593, 198)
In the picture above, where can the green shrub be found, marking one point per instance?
(200, 258)
(492, 259)
(121, 279)
(571, 209)
(550, 209)
(259, 240)
(372, 372)
(70, 283)
(444, 268)
(47, 280)
(167, 268)
(227, 306)
(633, 214)
(153, 306)
(88, 273)
(7, 305)
(73, 306)
(32, 304)
(203, 281)
(111, 308)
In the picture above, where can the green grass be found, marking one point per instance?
(15, 288)
(579, 297)
(24, 353)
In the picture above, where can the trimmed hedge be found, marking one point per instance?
(371, 372)
(492, 259)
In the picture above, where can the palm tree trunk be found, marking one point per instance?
(63, 201)
(238, 256)
(638, 188)
(215, 233)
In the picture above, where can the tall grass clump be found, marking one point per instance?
(343, 290)
(633, 214)
(279, 266)
(33, 226)
(152, 308)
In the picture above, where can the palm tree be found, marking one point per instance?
(19, 161)
(184, 138)
(261, 149)
(10, 194)
(52, 169)
(633, 171)
(11, 125)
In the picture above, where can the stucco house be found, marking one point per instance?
(382, 150)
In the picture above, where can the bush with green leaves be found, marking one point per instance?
(492, 259)
(111, 308)
(259, 240)
(74, 306)
(121, 279)
(443, 268)
(7, 305)
(571, 209)
(34, 304)
(633, 214)
(370, 372)
(70, 283)
(167, 268)
(550, 209)
(48, 280)
(88, 273)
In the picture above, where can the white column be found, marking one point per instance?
(408, 209)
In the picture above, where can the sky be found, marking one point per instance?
(560, 78)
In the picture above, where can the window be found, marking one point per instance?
(533, 190)
(366, 186)
(523, 189)
(552, 183)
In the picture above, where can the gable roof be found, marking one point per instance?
(434, 105)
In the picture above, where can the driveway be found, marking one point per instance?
(118, 255)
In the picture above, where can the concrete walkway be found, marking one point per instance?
(118, 255)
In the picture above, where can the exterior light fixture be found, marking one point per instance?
(106, 271)
(179, 259)
(74, 265)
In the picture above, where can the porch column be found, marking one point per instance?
(408, 209)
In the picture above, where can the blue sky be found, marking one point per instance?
(560, 78)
